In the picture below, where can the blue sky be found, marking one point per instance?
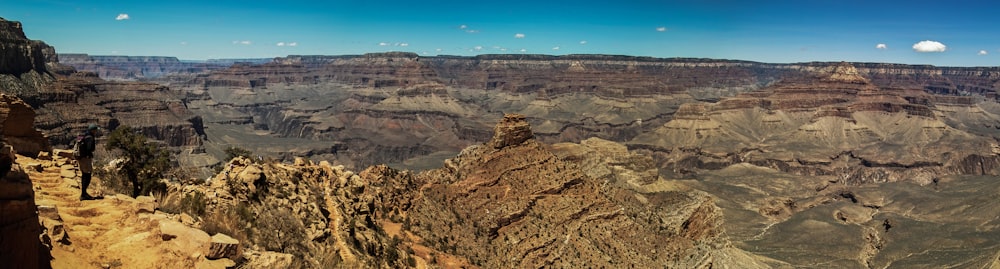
(766, 31)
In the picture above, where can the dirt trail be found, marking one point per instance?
(114, 232)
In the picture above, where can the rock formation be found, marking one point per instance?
(130, 68)
(411, 111)
(17, 124)
(67, 101)
(835, 122)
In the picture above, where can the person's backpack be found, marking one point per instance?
(77, 143)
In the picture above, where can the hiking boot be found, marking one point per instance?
(85, 196)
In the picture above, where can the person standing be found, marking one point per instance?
(86, 160)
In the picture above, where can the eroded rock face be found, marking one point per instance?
(834, 122)
(512, 130)
(20, 55)
(66, 102)
(17, 122)
(19, 223)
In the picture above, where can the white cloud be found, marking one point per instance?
(881, 46)
(929, 46)
(518, 35)
(184, 43)
(122, 17)
(292, 44)
(438, 50)
(983, 52)
(503, 49)
(524, 50)
(404, 44)
(280, 44)
(555, 48)
(383, 44)
(583, 42)
(472, 31)
(242, 42)
(463, 26)
(661, 29)
(477, 48)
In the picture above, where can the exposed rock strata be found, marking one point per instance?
(835, 122)
(135, 67)
(426, 101)
(67, 101)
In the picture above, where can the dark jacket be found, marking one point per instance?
(87, 146)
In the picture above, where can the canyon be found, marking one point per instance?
(524, 160)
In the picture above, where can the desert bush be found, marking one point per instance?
(226, 220)
(279, 230)
(193, 203)
(233, 152)
(142, 163)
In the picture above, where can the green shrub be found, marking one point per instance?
(193, 203)
(143, 163)
(233, 152)
(226, 220)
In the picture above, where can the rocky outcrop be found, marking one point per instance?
(20, 55)
(20, 225)
(520, 205)
(511, 131)
(20, 228)
(17, 122)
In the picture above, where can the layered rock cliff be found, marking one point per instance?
(132, 68)
(67, 101)
(835, 122)
(401, 108)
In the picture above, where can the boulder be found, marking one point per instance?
(54, 231)
(48, 211)
(215, 264)
(63, 153)
(223, 246)
(18, 127)
(184, 237)
(186, 219)
(145, 204)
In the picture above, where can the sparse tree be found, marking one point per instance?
(233, 152)
(143, 163)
